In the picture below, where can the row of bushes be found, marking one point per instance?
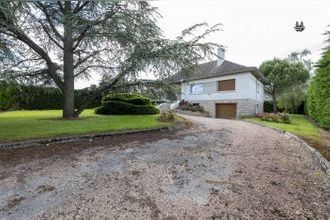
(126, 104)
(15, 97)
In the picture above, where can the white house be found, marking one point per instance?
(224, 89)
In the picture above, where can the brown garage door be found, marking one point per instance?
(225, 110)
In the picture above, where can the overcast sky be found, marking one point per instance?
(253, 30)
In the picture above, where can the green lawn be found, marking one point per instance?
(18, 125)
(300, 126)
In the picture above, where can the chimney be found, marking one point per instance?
(221, 56)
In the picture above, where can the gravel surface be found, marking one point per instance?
(216, 169)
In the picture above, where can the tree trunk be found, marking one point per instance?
(274, 102)
(68, 91)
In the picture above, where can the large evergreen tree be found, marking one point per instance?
(59, 42)
(318, 94)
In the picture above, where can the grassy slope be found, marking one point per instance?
(318, 138)
(300, 126)
(19, 125)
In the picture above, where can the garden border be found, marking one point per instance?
(321, 160)
(90, 137)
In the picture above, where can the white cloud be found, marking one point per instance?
(253, 30)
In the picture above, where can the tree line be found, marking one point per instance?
(15, 96)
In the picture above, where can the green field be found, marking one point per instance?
(19, 125)
(300, 126)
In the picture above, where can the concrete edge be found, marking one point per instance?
(90, 137)
(320, 159)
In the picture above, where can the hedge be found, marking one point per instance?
(17, 96)
(126, 104)
(318, 93)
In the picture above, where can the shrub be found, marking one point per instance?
(271, 117)
(186, 106)
(260, 115)
(124, 108)
(167, 117)
(135, 99)
(279, 118)
(268, 106)
(285, 118)
(126, 104)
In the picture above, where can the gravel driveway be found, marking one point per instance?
(216, 169)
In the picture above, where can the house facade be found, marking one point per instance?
(225, 89)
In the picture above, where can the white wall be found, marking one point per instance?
(245, 88)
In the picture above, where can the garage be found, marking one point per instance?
(225, 110)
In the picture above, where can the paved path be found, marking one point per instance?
(217, 169)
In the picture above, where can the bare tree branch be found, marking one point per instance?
(92, 66)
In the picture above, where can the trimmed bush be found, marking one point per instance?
(126, 104)
(285, 118)
(135, 99)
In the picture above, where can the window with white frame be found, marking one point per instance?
(196, 88)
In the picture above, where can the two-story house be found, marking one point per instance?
(224, 89)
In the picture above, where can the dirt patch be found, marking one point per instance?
(320, 145)
(14, 202)
(71, 149)
(45, 188)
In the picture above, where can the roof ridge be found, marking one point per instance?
(212, 69)
(227, 62)
(237, 64)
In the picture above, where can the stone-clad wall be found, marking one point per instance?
(246, 107)
(243, 106)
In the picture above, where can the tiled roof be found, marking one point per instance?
(212, 69)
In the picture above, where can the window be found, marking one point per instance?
(196, 88)
(258, 87)
(226, 85)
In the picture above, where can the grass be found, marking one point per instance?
(300, 126)
(22, 125)
(305, 129)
